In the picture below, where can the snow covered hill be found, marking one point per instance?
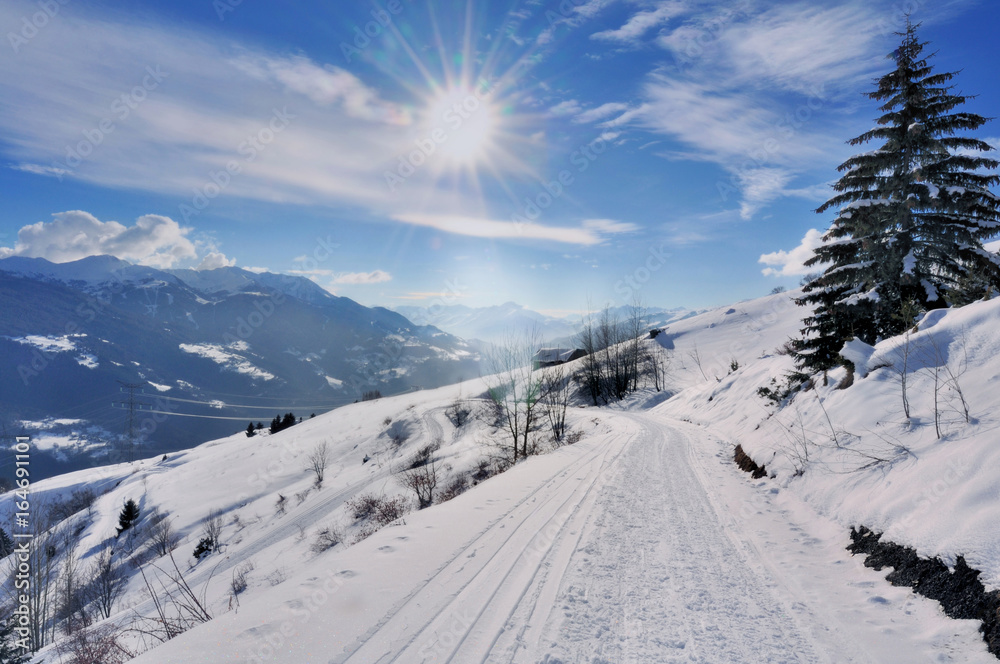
(642, 542)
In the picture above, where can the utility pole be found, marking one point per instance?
(132, 405)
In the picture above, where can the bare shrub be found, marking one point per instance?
(362, 507)
(301, 496)
(327, 537)
(277, 577)
(178, 607)
(514, 387)
(319, 458)
(485, 469)
(455, 488)
(280, 504)
(95, 645)
(241, 578)
(574, 437)
(379, 512)
(555, 393)
(425, 453)
(79, 500)
(212, 528)
(107, 582)
(162, 537)
(422, 480)
(378, 509)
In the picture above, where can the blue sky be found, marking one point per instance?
(551, 153)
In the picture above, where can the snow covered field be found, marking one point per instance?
(641, 543)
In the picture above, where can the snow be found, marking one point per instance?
(917, 494)
(48, 344)
(88, 360)
(223, 356)
(160, 388)
(640, 543)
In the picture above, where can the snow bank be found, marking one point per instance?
(852, 453)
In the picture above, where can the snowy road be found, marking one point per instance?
(620, 559)
(640, 544)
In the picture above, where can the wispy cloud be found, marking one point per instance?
(568, 107)
(571, 15)
(640, 23)
(599, 113)
(753, 96)
(590, 232)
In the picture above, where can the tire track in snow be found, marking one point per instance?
(461, 623)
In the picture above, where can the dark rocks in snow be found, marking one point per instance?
(748, 465)
(960, 592)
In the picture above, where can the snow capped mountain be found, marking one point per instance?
(91, 271)
(199, 342)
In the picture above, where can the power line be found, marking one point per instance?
(133, 405)
(206, 417)
(219, 403)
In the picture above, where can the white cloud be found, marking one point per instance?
(590, 232)
(802, 46)
(761, 186)
(214, 260)
(791, 263)
(609, 226)
(326, 85)
(573, 18)
(750, 90)
(356, 278)
(153, 240)
(642, 22)
(568, 107)
(599, 113)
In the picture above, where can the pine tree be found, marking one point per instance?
(912, 216)
(6, 544)
(128, 517)
(251, 431)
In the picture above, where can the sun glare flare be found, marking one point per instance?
(463, 122)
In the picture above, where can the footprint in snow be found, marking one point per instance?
(386, 549)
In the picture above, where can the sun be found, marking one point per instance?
(462, 122)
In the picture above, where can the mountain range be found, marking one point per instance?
(215, 348)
